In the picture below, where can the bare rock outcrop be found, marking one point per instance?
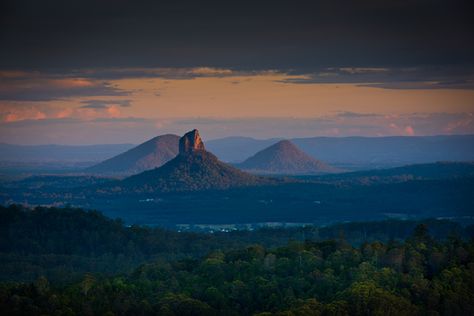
(191, 142)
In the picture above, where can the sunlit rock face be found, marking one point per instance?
(191, 142)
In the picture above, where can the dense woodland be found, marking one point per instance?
(319, 203)
(75, 262)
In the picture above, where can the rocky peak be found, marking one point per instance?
(285, 144)
(191, 142)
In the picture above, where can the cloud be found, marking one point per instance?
(423, 85)
(447, 77)
(428, 77)
(108, 108)
(70, 121)
(409, 124)
(174, 73)
(102, 82)
(104, 104)
(47, 111)
(243, 34)
(363, 70)
(64, 84)
(348, 114)
(110, 129)
(9, 114)
(459, 124)
(409, 131)
(32, 114)
(33, 86)
(114, 111)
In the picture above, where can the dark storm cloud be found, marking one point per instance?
(305, 35)
(104, 104)
(440, 77)
(55, 93)
(455, 84)
(33, 86)
(184, 73)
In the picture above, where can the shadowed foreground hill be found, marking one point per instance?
(285, 157)
(151, 154)
(192, 170)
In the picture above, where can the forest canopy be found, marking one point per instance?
(76, 262)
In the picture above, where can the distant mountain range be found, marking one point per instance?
(346, 152)
(374, 152)
(61, 153)
(358, 152)
(149, 155)
(237, 149)
(284, 157)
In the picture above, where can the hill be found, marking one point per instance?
(285, 157)
(192, 170)
(358, 153)
(429, 171)
(355, 153)
(151, 154)
(236, 149)
(157, 197)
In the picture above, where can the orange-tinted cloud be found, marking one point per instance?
(409, 131)
(81, 128)
(114, 111)
(170, 97)
(36, 87)
(15, 112)
(22, 115)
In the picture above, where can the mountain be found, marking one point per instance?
(353, 153)
(237, 149)
(151, 154)
(193, 169)
(358, 153)
(284, 157)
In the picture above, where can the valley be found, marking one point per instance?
(195, 188)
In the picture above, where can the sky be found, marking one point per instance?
(120, 71)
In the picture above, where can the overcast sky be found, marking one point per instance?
(118, 71)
